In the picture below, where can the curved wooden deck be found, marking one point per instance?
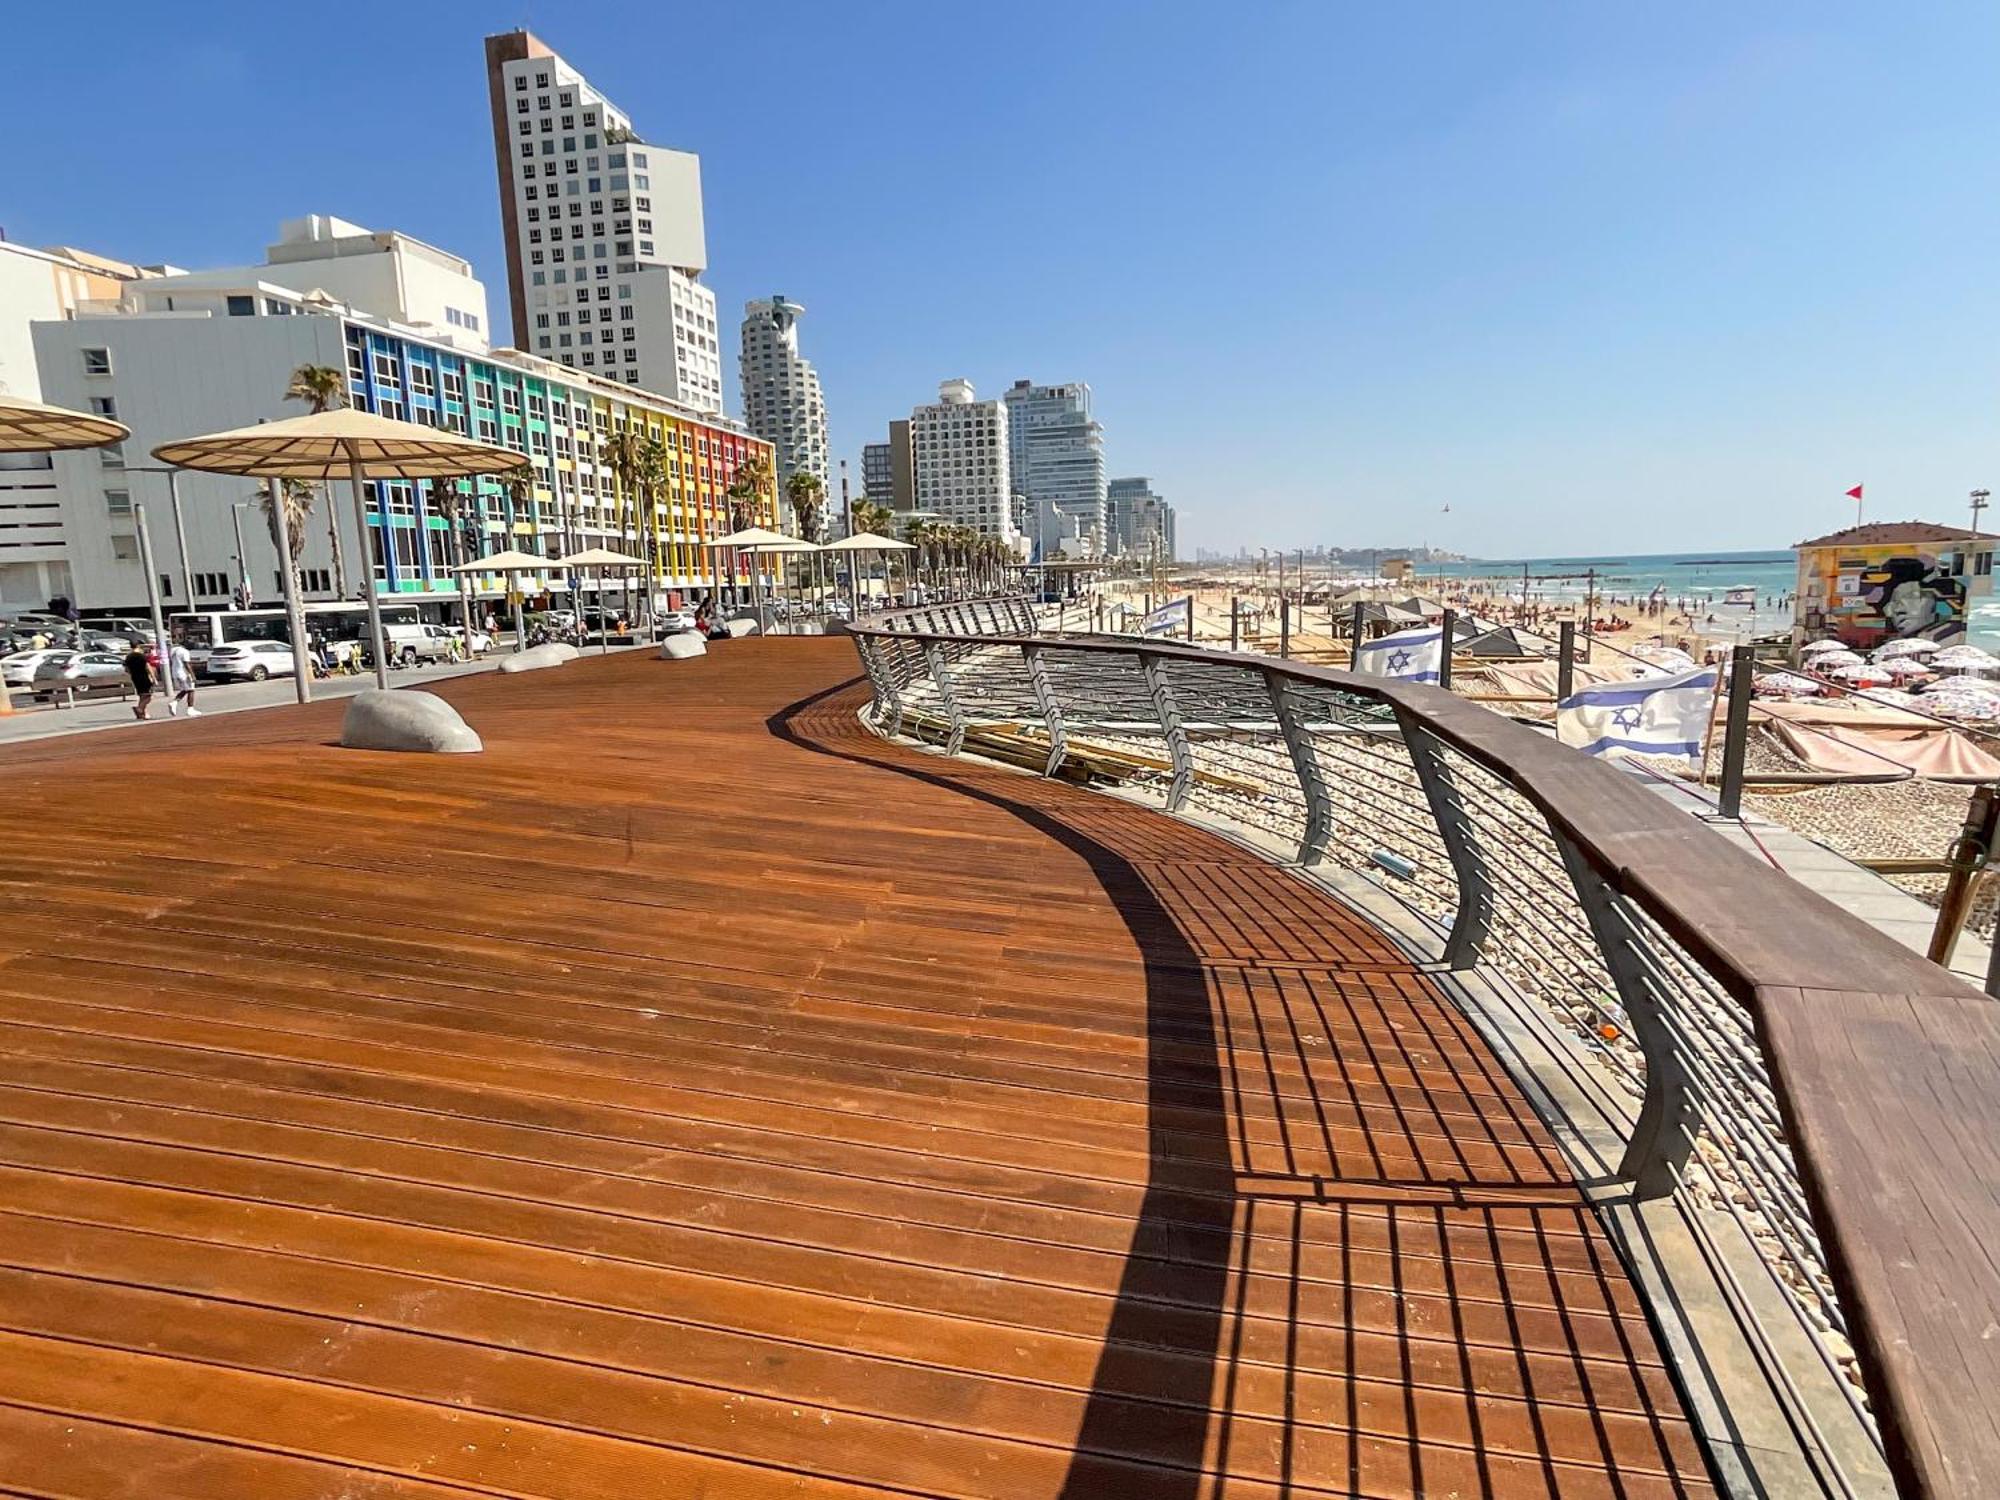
(694, 1096)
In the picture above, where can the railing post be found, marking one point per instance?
(1235, 624)
(1284, 626)
(993, 617)
(1449, 624)
(1357, 622)
(1305, 764)
(941, 675)
(1473, 921)
(1565, 660)
(878, 680)
(1736, 732)
(1051, 711)
(1168, 711)
(1663, 1137)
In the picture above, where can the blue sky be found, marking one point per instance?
(1598, 277)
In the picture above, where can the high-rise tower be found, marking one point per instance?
(781, 395)
(605, 245)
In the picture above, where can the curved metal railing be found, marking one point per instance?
(1677, 962)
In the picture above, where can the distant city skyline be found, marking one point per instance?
(1600, 279)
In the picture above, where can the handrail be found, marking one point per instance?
(1845, 1086)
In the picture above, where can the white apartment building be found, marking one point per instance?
(958, 449)
(604, 234)
(781, 395)
(321, 260)
(1056, 449)
(40, 286)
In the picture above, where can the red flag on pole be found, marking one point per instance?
(1855, 493)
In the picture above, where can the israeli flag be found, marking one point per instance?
(1656, 716)
(1408, 655)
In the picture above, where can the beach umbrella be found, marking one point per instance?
(1908, 646)
(30, 427)
(1787, 685)
(760, 539)
(1814, 648)
(327, 445)
(506, 562)
(1902, 667)
(599, 558)
(1831, 661)
(870, 541)
(1966, 658)
(1857, 671)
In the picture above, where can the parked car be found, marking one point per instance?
(81, 673)
(17, 668)
(675, 621)
(479, 644)
(118, 632)
(237, 661)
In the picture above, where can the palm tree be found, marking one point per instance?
(324, 388)
(868, 516)
(287, 519)
(639, 463)
(922, 533)
(806, 496)
(748, 492)
(321, 387)
(449, 503)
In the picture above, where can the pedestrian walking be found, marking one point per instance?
(180, 676)
(141, 672)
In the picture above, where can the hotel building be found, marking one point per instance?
(604, 234)
(958, 448)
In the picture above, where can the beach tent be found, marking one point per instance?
(1501, 643)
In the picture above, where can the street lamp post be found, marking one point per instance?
(242, 557)
(1979, 501)
(180, 522)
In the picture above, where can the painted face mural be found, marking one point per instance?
(1914, 596)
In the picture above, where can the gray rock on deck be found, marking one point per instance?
(549, 654)
(405, 719)
(683, 647)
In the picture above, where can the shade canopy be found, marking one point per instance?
(760, 539)
(30, 427)
(599, 557)
(326, 445)
(869, 541)
(506, 562)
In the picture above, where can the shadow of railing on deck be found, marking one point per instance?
(1405, 1253)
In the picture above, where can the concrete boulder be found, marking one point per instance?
(380, 719)
(742, 626)
(683, 646)
(549, 654)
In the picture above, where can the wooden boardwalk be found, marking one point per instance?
(693, 1096)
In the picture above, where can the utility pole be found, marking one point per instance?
(153, 595)
(242, 557)
(1979, 501)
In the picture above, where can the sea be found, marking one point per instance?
(1698, 581)
(1699, 577)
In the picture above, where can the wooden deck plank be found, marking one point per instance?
(694, 1095)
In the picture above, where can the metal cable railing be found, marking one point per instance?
(1386, 782)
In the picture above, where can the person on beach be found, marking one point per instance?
(141, 672)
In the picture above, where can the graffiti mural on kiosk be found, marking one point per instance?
(1915, 597)
(1883, 593)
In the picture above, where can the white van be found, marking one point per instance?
(411, 643)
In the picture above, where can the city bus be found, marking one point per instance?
(341, 625)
